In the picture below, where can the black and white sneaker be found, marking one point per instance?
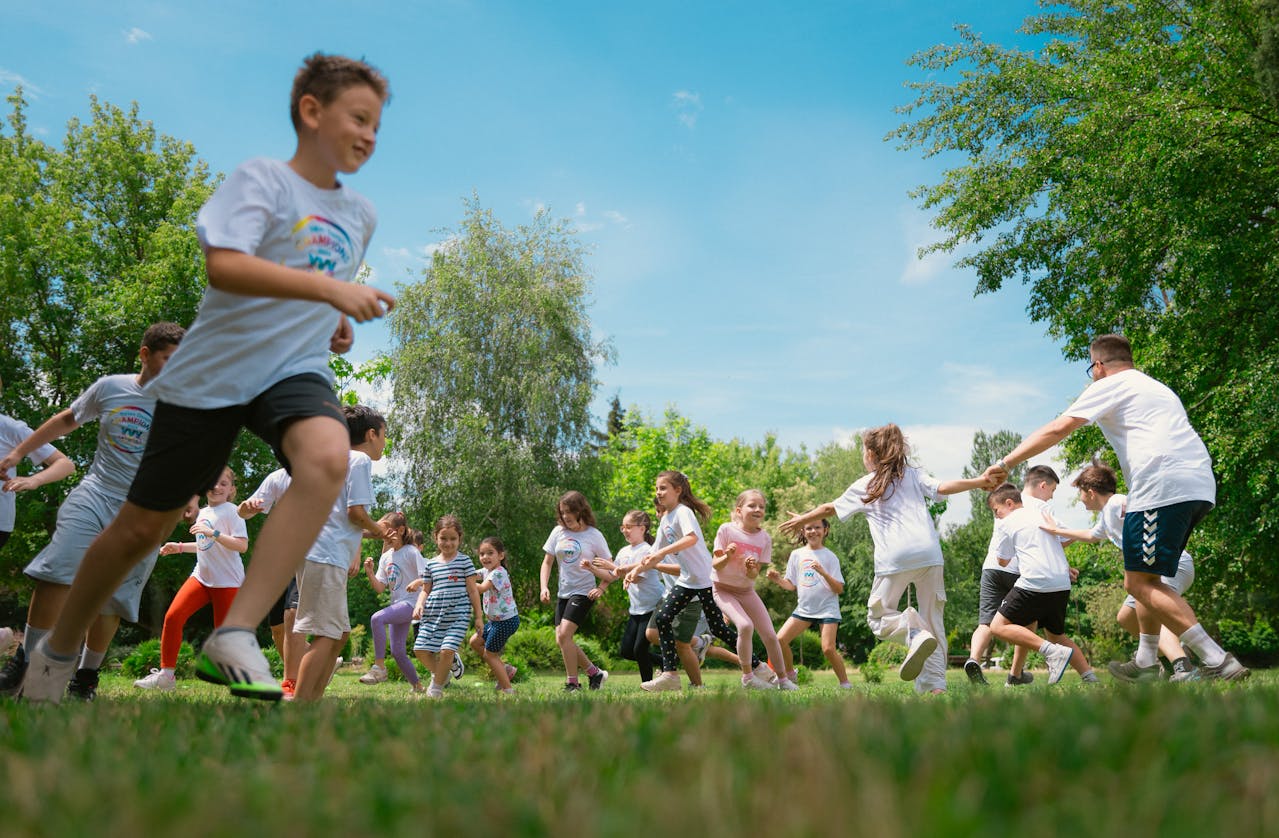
(458, 669)
(84, 685)
(597, 680)
(973, 670)
(12, 673)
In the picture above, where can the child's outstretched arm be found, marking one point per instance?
(59, 425)
(795, 525)
(56, 467)
(779, 580)
(954, 487)
(545, 576)
(653, 558)
(236, 272)
(421, 597)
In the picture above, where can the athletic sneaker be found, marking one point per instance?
(1229, 669)
(458, 669)
(232, 657)
(1129, 672)
(434, 691)
(14, 669)
(1182, 671)
(597, 680)
(766, 674)
(84, 684)
(1019, 680)
(47, 678)
(334, 671)
(662, 683)
(157, 680)
(786, 684)
(375, 675)
(1058, 659)
(754, 682)
(845, 685)
(570, 687)
(922, 644)
(973, 670)
(510, 672)
(706, 641)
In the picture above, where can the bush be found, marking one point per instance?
(273, 658)
(887, 654)
(803, 675)
(146, 656)
(872, 672)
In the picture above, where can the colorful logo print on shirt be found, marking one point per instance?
(808, 577)
(569, 549)
(327, 246)
(127, 429)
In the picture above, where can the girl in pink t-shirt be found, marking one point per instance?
(741, 547)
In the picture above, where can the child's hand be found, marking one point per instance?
(169, 548)
(584, 564)
(773, 575)
(595, 593)
(417, 612)
(368, 563)
(363, 302)
(546, 595)
(201, 528)
(9, 462)
(1074, 574)
(19, 484)
(343, 338)
(251, 507)
(192, 511)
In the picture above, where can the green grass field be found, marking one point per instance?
(877, 760)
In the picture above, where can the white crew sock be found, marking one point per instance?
(90, 659)
(30, 637)
(1147, 649)
(1197, 640)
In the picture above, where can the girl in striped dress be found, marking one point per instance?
(448, 598)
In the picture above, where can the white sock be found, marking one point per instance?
(31, 636)
(90, 659)
(1089, 676)
(171, 673)
(1147, 649)
(1197, 640)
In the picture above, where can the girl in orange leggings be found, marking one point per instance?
(220, 538)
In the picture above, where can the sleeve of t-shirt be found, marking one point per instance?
(88, 405)
(850, 503)
(237, 215)
(1002, 543)
(1093, 402)
(360, 483)
(832, 565)
(766, 555)
(14, 432)
(501, 580)
(419, 562)
(384, 567)
(792, 568)
(602, 549)
(685, 522)
(471, 571)
(551, 541)
(721, 537)
(930, 485)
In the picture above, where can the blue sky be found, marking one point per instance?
(725, 163)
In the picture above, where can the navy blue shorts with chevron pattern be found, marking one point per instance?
(1155, 538)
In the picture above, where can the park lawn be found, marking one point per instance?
(1112, 760)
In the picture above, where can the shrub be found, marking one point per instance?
(872, 672)
(146, 656)
(887, 654)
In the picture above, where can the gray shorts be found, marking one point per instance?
(322, 607)
(83, 515)
(1180, 583)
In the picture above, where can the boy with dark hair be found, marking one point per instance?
(335, 556)
(282, 242)
(123, 412)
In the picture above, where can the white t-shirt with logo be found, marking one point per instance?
(123, 414)
(569, 549)
(339, 539)
(900, 526)
(648, 590)
(12, 433)
(217, 566)
(271, 489)
(397, 568)
(695, 561)
(1164, 461)
(816, 599)
(241, 345)
(1039, 554)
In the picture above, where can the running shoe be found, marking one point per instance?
(232, 657)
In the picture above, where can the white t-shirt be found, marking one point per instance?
(816, 599)
(648, 590)
(1163, 459)
(570, 548)
(694, 562)
(123, 414)
(339, 539)
(903, 532)
(992, 557)
(240, 345)
(12, 433)
(1039, 554)
(217, 566)
(397, 568)
(1110, 521)
(272, 488)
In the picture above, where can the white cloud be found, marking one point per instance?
(581, 208)
(8, 78)
(396, 252)
(918, 233)
(985, 394)
(616, 217)
(687, 106)
(136, 35)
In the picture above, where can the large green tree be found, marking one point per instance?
(1125, 166)
(493, 370)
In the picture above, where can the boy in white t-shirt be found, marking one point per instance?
(1098, 487)
(282, 242)
(123, 413)
(1171, 489)
(1042, 591)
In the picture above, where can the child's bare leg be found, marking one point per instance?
(295, 646)
(830, 648)
(477, 644)
(1077, 660)
(318, 448)
(316, 668)
(128, 539)
(688, 658)
(568, 647)
(1020, 653)
(102, 632)
(980, 643)
(728, 656)
(1020, 636)
(443, 663)
(498, 667)
(46, 604)
(791, 629)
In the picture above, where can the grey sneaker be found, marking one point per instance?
(973, 670)
(706, 640)
(922, 644)
(1229, 669)
(1019, 680)
(47, 677)
(1129, 672)
(1058, 659)
(1183, 672)
(13, 671)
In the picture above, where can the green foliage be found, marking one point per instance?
(273, 658)
(536, 649)
(146, 657)
(872, 672)
(887, 654)
(1125, 169)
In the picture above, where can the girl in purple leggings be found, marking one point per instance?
(401, 563)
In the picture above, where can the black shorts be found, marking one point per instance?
(288, 601)
(995, 585)
(188, 447)
(1154, 539)
(1048, 608)
(574, 608)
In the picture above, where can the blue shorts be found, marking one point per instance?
(815, 621)
(1155, 538)
(497, 632)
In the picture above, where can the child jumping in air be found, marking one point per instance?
(573, 544)
(894, 497)
(448, 597)
(501, 617)
(400, 564)
(814, 572)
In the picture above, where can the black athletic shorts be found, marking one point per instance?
(574, 608)
(1048, 608)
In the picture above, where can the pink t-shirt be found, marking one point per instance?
(757, 544)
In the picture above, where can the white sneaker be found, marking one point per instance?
(232, 657)
(845, 685)
(334, 671)
(457, 669)
(787, 684)
(1058, 659)
(662, 683)
(47, 678)
(434, 691)
(922, 644)
(157, 680)
(511, 672)
(6, 639)
(375, 675)
(765, 674)
(705, 640)
(754, 682)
